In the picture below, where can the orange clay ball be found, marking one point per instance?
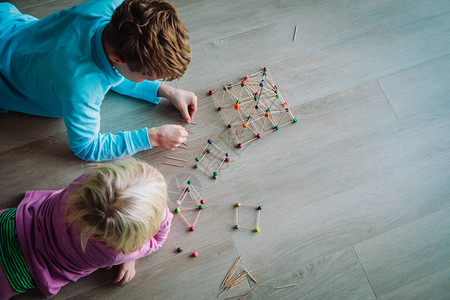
(244, 125)
(236, 107)
(267, 115)
(237, 204)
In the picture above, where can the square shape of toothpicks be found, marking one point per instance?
(258, 215)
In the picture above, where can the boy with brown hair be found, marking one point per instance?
(64, 64)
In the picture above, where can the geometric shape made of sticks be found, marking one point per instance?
(253, 107)
(198, 204)
(211, 150)
(258, 215)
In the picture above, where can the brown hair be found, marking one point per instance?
(150, 37)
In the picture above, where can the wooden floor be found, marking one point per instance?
(356, 196)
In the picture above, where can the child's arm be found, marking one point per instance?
(146, 90)
(153, 244)
(152, 91)
(184, 101)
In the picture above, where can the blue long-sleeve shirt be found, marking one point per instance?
(57, 67)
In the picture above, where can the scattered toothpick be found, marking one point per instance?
(295, 33)
(285, 286)
(230, 281)
(175, 158)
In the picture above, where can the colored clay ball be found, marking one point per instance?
(237, 204)
(261, 84)
(227, 160)
(191, 228)
(263, 80)
(268, 110)
(200, 207)
(256, 229)
(229, 126)
(287, 109)
(210, 141)
(239, 145)
(259, 207)
(243, 83)
(224, 88)
(189, 182)
(256, 94)
(176, 210)
(295, 120)
(214, 177)
(197, 159)
(188, 190)
(256, 106)
(277, 96)
(211, 92)
(202, 201)
(236, 107)
(265, 73)
(246, 77)
(219, 108)
(196, 167)
(266, 114)
(258, 135)
(227, 154)
(276, 128)
(236, 226)
(244, 125)
(208, 150)
(285, 104)
(215, 173)
(255, 98)
(179, 249)
(194, 254)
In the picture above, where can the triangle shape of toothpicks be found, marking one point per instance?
(197, 204)
(210, 155)
(253, 107)
(258, 215)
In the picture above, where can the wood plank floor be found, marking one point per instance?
(356, 196)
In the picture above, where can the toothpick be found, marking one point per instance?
(233, 267)
(285, 286)
(250, 275)
(175, 158)
(295, 33)
(173, 165)
(248, 293)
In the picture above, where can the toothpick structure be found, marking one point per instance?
(252, 108)
(197, 201)
(218, 153)
(258, 209)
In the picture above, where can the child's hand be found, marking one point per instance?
(184, 101)
(167, 136)
(126, 272)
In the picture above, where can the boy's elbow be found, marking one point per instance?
(87, 153)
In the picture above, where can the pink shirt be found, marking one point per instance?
(53, 251)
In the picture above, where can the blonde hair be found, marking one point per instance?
(150, 37)
(120, 203)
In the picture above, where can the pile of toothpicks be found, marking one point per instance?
(230, 281)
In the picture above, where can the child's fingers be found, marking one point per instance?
(120, 276)
(109, 268)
